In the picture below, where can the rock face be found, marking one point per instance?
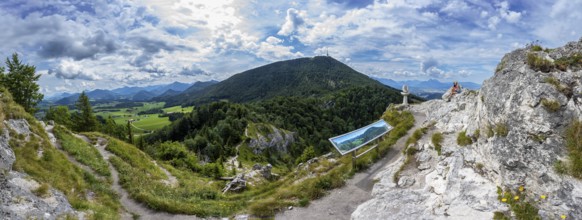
(18, 199)
(462, 182)
(271, 138)
(7, 157)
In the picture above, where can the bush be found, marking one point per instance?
(501, 129)
(463, 139)
(437, 140)
(551, 105)
(539, 63)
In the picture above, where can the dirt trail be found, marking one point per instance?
(132, 207)
(340, 203)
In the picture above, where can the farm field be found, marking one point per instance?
(142, 123)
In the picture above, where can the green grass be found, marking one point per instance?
(567, 91)
(501, 129)
(54, 169)
(147, 122)
(519, 205)
(573, 61)
(82, 151)
(537, 48)
(539, 63)
(437, 140)
(573, 137)
(463, 139)
(409, 151)
(178, 109)
(42, 190)
(551, 105)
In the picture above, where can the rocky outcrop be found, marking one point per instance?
(7, 157)
(20, 196)
(276, 139)
(517, 140)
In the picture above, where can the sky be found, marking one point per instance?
(106, 44)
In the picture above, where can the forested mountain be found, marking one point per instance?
(316, 98)
(302, 77)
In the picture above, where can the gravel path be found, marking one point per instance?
(340, 203)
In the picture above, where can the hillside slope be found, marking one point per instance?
(304, 77)
(510, 149)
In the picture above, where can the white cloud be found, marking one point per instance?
(508, 15)
(68, 69)
(293, 20)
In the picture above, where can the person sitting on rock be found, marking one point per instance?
(455, 89)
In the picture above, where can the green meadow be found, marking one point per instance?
(143, 122)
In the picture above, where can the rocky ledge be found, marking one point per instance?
(516, 123)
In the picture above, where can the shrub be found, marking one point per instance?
(539, 63)
(437, 140)
(463, 139)
(501, 129)
(551, 105)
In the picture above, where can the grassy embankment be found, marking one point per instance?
(53, 170)
(82, 151)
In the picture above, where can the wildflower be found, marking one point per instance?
(516, 198)
(504, 200)
(521, 188)
(563, 216)
(543, 196)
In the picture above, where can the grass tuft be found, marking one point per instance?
(551, 105)
(463, 139)
(437, 140)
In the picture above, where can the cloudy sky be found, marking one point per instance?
(84, 45)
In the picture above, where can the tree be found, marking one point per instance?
(60, 115)
(21, 82)
(84, 120)
(113, 129)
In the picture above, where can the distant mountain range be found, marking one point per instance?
(304, 77)
(145, 93)
(429, 89)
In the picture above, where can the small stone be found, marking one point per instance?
(424, 166)
(290, 208)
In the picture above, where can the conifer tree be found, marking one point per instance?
(84, 120)
(20, 80)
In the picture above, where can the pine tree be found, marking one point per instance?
(85, 120)
(60, 115)
(21, 82)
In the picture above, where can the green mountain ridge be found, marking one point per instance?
(305, 77)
